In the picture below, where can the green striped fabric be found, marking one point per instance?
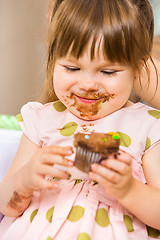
(9, 122)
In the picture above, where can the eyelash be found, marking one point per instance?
(71, 69)
(74, 69)
(109, 73)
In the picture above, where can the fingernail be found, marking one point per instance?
(93, 166)
(54, 185)
(91, 174)
(70, 163)
(67, 175)
(103, 162)
(69, 151)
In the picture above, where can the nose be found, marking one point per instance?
(88, 83)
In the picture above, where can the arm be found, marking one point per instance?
(143, 200)
(149, 94)
(11, 181)
(27, 173)
(147, 202)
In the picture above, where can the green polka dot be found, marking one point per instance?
(95, 182)
(76, 213)
(83, 236)
(49, 238)
(148, 143)
(129, 223)
(19, 118)
(56, 178)
(59, 106)
(68, 129)
(125, 140)
(154, 113)
(49, 214)
(152, 232)
(33, 214)
(77, 181)
(102, 218)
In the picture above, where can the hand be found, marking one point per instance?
(34, 173)
(114, 174)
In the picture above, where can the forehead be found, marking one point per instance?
(94, 49)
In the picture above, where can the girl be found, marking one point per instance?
(96, 52)
(141, 90)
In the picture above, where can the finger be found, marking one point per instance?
(46, 184)
(124, 157)
(53, 172)
(97, 178)
(105, 173)
(52, 159)
(59, 150)
(116, 165)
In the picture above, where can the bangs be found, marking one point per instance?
(114, 20)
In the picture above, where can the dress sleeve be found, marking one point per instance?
(29, 120)
(153, 135)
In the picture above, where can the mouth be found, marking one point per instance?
(89, 104)
(88, 100)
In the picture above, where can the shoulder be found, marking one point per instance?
(141, 122)
(151, 112)
(38, 109)
(143, 111)
(146, 116)
(35, 118)
(36, 113)
(152, 120)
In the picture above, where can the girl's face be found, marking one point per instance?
(92, 89)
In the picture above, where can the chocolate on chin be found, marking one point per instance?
(93, 148)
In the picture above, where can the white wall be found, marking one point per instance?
(22, 52)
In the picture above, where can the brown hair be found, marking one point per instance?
(126, 26)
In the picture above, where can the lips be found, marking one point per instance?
(87, 100)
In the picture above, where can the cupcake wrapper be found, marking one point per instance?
(84, 158)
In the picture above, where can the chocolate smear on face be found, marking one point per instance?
(91, 109)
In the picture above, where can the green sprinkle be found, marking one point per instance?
(105, 139)
(116, 136)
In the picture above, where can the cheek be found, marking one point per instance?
(61, 87)
(58, 80)
(114, 86)
(62, 81)
(120, 87)
(57, 84)
(125, 83)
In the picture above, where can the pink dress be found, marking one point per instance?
(81, 209)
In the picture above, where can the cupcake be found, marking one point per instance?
(93, 148)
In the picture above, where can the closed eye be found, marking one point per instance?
(109, 72)
(71, 69)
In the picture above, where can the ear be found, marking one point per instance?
(136, 76)
(137, 84)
